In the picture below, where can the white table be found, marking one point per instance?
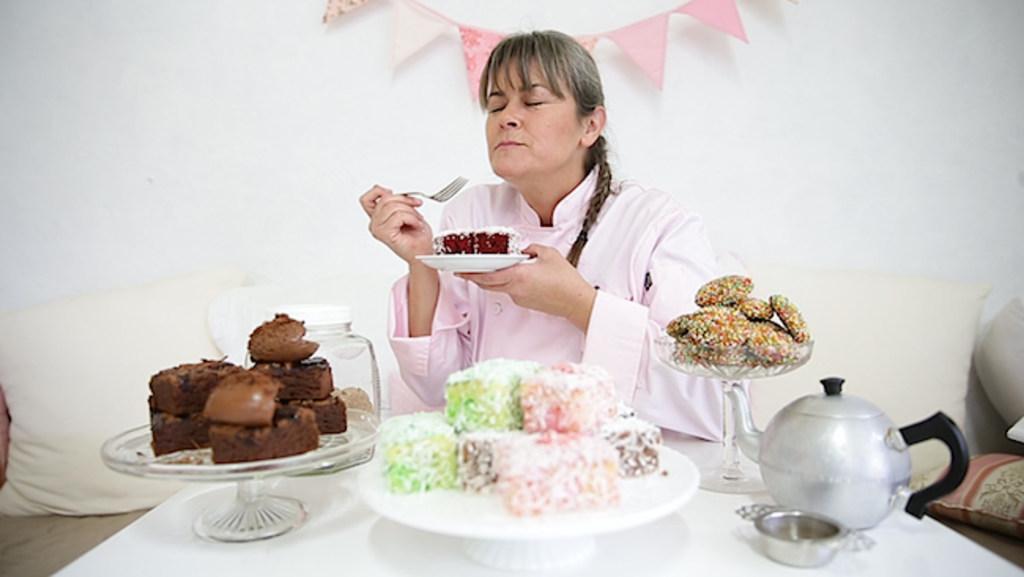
(344, 537)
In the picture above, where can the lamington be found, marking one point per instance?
(477, 456)
(568, 398)
(486, 395)
(488, 240)
(550, 472)
(418, 453)
(636, 442)
(246, 424)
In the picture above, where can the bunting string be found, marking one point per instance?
(644, 42)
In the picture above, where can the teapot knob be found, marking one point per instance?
(833, 386)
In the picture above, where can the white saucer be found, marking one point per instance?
(471, 262)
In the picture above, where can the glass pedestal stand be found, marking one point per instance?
(253, 515)
(730, 475)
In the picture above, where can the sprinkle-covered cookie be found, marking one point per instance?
(755, 309)
(790, 317)
(678, 326)
(718, 327)
(725, 291)
(770, 345)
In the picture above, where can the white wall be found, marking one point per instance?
(144, 139)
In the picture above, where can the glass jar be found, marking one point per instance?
(351, 356)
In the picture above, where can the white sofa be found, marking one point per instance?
(75, 372)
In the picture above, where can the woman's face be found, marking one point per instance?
(533, 134)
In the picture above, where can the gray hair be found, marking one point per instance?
(565, 65)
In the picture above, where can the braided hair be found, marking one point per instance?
(564, 63)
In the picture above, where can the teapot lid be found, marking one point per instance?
(835, 404)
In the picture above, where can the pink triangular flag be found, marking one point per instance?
(588, 42)
(336, 8)
(414, 29)
(721, 14)
(476, 46)
(644, 43)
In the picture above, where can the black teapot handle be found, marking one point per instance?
(941, 427)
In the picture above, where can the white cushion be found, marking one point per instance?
(1000, 361)
(903, 343)
(76, 372)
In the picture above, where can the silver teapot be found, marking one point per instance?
(841, 456)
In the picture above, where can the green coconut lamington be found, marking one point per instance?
(485, 397)
(419, 453)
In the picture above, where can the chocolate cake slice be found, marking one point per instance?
(173, 433)
(293, 432)
(183, 390)
(308, 379)
(330, 412)
(246, 424)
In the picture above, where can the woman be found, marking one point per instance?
(633, 259)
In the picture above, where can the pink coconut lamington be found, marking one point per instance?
(487, 240)
(547, 473)
(568, 398)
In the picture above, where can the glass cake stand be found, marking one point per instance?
(254, 514)
(730, 367)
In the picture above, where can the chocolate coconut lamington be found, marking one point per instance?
(637, 443)
(246, 424)
(477, 450)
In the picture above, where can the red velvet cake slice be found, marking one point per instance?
(488, 240)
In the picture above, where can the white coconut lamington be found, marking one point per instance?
(486, 240)
(636, 442)
(568, 398)
(549, 472)
(477, 456)
(419, 453)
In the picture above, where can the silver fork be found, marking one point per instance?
(446, 193)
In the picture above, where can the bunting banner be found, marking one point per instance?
(414, 28)
(644, 42)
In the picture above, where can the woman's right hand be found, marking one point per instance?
(395, 222)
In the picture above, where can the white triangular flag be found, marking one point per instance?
(414, 29)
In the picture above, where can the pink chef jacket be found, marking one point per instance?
(647, 257)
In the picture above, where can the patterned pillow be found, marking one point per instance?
(991, 496)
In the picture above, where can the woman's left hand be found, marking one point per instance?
(548, 283)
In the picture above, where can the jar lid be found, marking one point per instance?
(317, 315)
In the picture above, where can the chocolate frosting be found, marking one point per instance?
(280, 341)
(244, 398)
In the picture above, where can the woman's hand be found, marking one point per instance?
(548, 284)
(395, 222)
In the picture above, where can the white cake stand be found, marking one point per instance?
(729, 476)
(494, 537)
(253, 514)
